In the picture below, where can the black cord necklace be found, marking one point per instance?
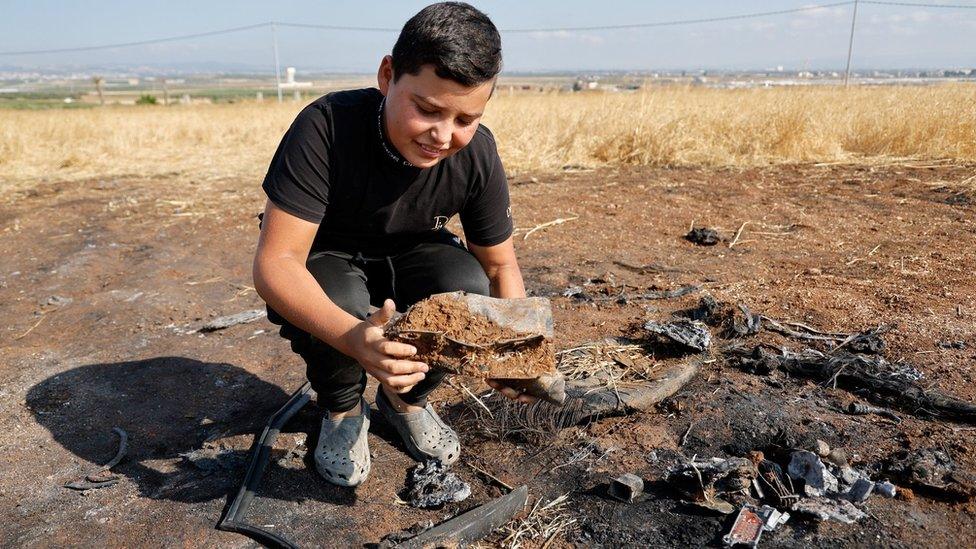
(379, 128)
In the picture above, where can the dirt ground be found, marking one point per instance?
(101, 281)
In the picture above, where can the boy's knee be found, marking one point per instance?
(468, 278)
(475, 282)
(354, 303)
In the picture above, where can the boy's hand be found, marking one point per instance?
(382, 358)
(511, 393)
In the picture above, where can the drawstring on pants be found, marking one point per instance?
(361, 261)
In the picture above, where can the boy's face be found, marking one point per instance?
(429, 118)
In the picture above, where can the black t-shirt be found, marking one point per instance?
(334, 167)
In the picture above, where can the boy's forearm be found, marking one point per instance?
(506, 282)
(288, 288)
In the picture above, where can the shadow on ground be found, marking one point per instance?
(179, 414)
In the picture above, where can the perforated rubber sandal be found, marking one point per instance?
(424, 433)
(342, 452)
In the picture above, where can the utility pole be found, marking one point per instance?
(165, 92)
(274, 41)
(850, 47)
(98, 81)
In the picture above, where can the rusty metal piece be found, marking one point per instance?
(746, 530)
(626, 488)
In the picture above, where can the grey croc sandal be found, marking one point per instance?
(342, 453)
(424, 433)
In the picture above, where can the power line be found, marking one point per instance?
(920, 5)
(335, 27)
(138, 43)
(675, 22)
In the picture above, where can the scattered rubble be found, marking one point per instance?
(823, 509)
(704, 481)
(893, 384)
(431, 485)
(734, 321)
(933, 470)
(706, 310)
(703, 236)
(690, 333)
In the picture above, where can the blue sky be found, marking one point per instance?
(887, 36)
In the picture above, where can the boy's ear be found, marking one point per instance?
(384, 76)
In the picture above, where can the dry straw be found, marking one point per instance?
(665, 126)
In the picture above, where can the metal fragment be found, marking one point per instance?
(626, 487)
(746, 530)
(823, 509)
(806, 466)
(473, 525)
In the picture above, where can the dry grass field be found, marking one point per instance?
(536, 132)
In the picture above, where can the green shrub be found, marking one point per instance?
(146, 99)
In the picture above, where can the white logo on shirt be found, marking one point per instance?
(440, 221)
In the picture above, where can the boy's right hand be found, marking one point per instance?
(382, 358)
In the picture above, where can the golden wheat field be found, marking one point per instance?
(536, 132)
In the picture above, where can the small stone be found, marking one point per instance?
(861, 490)
(838, 457)
(848, 475)
(822, 448)
(886, 489)
(57, 301)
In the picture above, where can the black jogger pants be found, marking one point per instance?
(354, 282)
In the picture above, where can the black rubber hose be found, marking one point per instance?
(232, 519)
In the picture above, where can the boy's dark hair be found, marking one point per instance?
(460, 42)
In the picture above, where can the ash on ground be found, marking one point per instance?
(431, 484)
